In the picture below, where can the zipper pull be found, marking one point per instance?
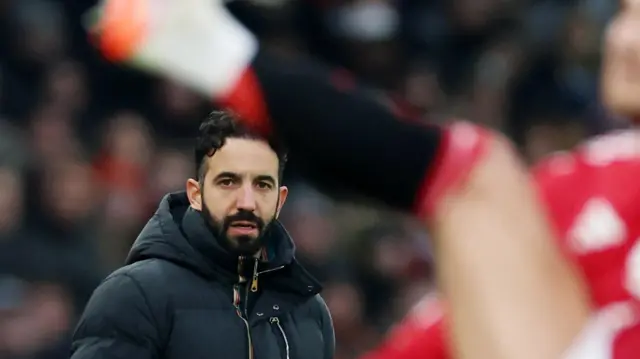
(254, 281)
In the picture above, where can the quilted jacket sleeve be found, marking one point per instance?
(117, 323)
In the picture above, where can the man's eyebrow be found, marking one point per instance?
(227, 174)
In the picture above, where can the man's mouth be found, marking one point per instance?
(244, 225)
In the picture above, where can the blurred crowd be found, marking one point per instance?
(87, 148)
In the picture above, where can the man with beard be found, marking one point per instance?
(213, 273)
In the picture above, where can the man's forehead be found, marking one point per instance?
(245, 157)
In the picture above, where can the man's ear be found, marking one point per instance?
(195, 194)
(282, 197)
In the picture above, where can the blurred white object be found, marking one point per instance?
(195, 42)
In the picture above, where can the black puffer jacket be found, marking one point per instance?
(181, 296)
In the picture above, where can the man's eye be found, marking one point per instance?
(264, 185)
(226, 182)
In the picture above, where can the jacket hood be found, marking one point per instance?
(178, 234)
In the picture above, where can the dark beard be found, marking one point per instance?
(240, 245)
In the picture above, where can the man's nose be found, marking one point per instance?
(246, 199)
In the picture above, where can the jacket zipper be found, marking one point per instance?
(243, 314)
(256, 274)
(284, 336)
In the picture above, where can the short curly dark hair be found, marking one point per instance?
(220, 125)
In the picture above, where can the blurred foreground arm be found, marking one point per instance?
(509, 292)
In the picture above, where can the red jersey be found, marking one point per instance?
(593, 198)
